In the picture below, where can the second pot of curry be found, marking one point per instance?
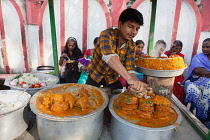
(128, 128)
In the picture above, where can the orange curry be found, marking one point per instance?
(60, 102)
(153, 112)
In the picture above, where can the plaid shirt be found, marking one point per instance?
(108, 44)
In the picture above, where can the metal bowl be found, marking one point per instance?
(82, 127)
(124, 130)
(14, 122)
(33, 90)
(160, 73)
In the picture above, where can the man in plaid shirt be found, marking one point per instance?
(115, 54)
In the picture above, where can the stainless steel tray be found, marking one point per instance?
(160, 73)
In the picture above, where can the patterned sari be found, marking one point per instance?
(197, 89)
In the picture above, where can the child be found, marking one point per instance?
(70, 56)
(159, 49)
(139, 48)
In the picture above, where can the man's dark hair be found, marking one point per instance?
(132, 15)
(139, 42)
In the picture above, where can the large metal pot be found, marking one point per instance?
(14, 123)
(124, 130)
(83, 127)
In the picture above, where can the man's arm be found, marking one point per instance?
(132, 79)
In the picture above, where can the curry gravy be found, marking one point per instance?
(154, 112)
(62, 102)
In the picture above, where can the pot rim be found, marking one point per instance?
(22, 106)
(67, 118)
(177, 122)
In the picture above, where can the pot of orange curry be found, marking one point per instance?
(69, 111)
(134, 117)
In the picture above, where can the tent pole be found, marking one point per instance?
(152, 27)
(53, 35)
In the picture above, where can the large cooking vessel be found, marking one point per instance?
(83, 127)
(124, 130)
(14, 123)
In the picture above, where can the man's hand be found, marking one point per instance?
(138, 86)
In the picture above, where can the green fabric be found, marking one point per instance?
(83, 78)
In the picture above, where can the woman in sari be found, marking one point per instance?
(197, 84)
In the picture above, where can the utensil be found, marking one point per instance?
(26, 88)
(68, 58)
(132, 91)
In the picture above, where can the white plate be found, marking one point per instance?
(160, 73)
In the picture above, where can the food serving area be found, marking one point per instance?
(100, 123)
(185, 130)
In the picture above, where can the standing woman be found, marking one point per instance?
(178, 90)
(70, 56)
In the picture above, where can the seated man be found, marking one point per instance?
(197, 84)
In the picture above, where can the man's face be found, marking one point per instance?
(128, 30)
(206, 48)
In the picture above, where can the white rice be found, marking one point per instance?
(11, 100)
(29, 78)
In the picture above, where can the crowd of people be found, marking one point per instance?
(111, 63)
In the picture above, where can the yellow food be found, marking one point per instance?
(161, 63)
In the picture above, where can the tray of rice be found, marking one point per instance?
(161, 67)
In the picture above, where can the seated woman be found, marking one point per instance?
(178, 90)
(70, 56)
(197, 84)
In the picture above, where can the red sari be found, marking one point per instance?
(178, 91)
